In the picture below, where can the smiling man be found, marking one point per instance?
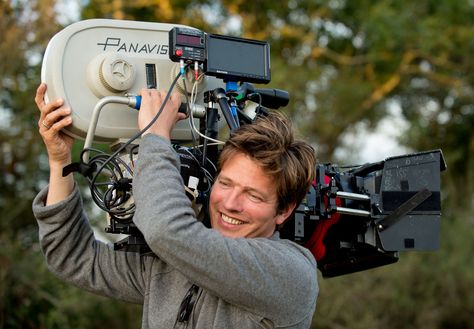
(264, 175)
(239, 274)
(243, 200)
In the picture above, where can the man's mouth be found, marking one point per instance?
(231, 220)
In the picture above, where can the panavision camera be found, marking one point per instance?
(352, 219)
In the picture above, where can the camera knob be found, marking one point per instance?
(109, 74)
(117, 74)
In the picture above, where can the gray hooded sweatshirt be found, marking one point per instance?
(242, 282)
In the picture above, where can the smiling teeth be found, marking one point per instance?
(232, 221)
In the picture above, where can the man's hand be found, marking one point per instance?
(152, 100)
(54, 117)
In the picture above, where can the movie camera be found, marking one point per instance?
(351, 220)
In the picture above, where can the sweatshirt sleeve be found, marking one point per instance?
(275, 278)
(74, 255)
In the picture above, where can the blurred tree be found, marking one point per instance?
(25, 29)
(30, 297)
(343, 62)
(166, 11)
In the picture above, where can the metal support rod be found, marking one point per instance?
(130, 101)
(353, 196)
(355, 212)
(220, 97)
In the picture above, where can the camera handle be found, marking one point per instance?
(219, 96)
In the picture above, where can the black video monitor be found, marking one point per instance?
(238, 59)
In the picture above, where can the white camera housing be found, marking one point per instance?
(96, 58)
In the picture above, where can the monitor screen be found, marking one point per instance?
(237, 59)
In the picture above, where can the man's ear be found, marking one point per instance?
(283, 216)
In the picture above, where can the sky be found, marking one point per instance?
(68, 11)
(362, 146)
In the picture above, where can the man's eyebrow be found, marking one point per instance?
(225, 178)
(247, 189)
(262, 194)
(252, 189)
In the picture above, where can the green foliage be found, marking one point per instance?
(343, 62)
(165, 11)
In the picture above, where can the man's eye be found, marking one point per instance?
(255, 197)
(224, 183)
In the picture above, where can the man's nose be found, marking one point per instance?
(234, 201)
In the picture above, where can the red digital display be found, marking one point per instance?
(189, 39)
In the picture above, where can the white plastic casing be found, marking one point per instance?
(91, 59)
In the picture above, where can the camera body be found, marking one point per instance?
(357, 219)
(98, 58)
(93, 59)
(351, 220)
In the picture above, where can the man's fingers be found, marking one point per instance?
(176, 99)
(39, 97)
(57, 114)
(49, 120)
(54, 108)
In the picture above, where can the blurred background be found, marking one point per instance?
(367, 80)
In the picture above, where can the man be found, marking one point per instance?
(238, 274)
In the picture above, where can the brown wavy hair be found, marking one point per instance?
(270, 141)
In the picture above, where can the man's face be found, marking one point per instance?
(243, 200)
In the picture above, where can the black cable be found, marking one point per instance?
(99, 198)
(115, 196)
(189, 111)
(131, 154)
